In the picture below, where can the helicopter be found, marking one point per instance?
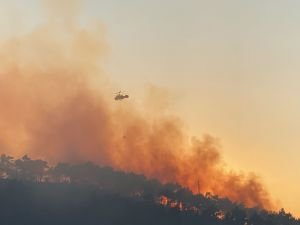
(120, 97)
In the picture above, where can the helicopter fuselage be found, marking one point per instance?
(121, 97)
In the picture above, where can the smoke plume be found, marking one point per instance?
(57, 104)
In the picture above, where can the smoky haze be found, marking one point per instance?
(57, 104)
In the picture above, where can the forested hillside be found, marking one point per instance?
(32, 192)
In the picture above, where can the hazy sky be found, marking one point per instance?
(232, 65)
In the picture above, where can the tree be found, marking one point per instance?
(7, 167)
(33, 170)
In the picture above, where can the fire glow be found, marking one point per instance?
(55, 104)
(165, 201)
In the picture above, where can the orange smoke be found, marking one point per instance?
(56, 104)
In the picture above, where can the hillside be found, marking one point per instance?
(32, 192)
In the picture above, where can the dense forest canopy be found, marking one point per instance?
(32, 192)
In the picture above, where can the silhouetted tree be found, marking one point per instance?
(7, 166)
(29, 169)
(237, 216)
(90, 194)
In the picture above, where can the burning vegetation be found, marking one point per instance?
(55, 105)
(89, 194)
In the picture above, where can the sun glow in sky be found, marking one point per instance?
(232, 67)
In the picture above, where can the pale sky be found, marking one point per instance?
(234, 66)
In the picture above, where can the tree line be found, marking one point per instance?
(33, 192)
